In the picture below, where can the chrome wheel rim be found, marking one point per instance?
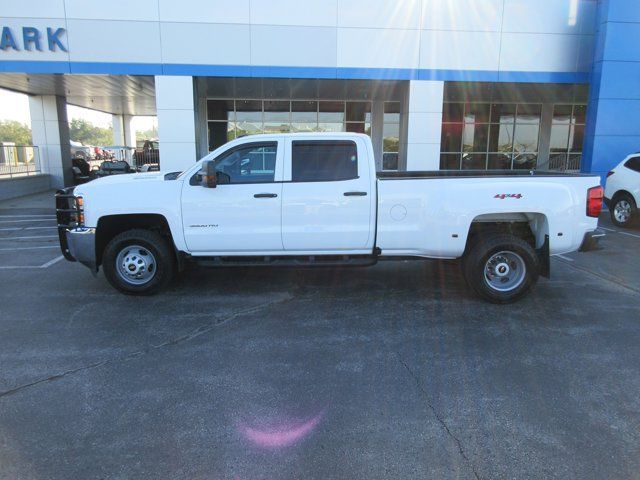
(505, 271)
(622, 211)
(136, 265)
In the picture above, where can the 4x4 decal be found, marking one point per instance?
(502, 196)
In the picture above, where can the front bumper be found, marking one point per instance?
(77, 242)
(79, 245)
(591, 241)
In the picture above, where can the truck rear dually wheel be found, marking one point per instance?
(501, 268)
(138, 262)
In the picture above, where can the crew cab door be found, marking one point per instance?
(242, 214)
(327, 203)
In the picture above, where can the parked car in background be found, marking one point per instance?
(317, 200)
(81, 151)
(622, 191)
(147, 152)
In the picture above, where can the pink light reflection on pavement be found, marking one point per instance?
(282, 435)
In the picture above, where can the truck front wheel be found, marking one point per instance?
(501, 268)
(138, 262)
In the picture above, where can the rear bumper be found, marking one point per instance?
(591, 241)
(79, 245)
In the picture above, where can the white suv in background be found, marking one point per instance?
(622, 191)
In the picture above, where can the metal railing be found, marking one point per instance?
(136, 158)
(113, 154)
(19, 160)
(565, 163)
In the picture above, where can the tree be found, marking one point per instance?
(13, 131)
(147, 134)
(81, 130)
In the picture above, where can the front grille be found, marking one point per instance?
(67, 215)
(67, 212)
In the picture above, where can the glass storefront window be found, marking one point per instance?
(490, 135)
(500, 137)
(453, 113)
(450, 161)
(304, 112)
(359, 127)
(562, 113)
(526, 138)
(567, 136)
(220, 110)
(474, 161)
(391, 136)
(475, 137)
(499, 161)
(229, 119)
(276, 112)
(476, 112)
(359, 112)
(503, 113)
(330, 127)
(331, 112)
(529, 113)
(559, 138)
(525, 161)
(580, 114)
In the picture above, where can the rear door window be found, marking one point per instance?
(633, 164)
(323, 161)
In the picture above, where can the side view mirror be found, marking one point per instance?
(208, 174)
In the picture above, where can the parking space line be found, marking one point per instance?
(18, 267)
(621, 232)
(563, 257)
(32, 267)
(10, 229)
(28, 221)
(27, 248)
(28, 216)
(28, 238)
(52, 262)
(630, 234)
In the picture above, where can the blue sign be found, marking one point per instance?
(33, 38)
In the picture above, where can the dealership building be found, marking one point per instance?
(437, 84)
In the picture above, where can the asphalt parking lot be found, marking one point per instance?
(396, 371)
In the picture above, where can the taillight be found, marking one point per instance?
(594, 201)
(610, 173)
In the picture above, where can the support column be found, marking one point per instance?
(176, 122)
(202, 133)
(50, 133)
(613, 130)
(422, 118)
(377, 125)
(118, 130)
(544, 143)
(129, 131)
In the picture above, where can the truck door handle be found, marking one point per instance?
(265, 195)
(355, 194)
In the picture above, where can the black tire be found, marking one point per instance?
(519, 253)
(153, 246)
(621, 201)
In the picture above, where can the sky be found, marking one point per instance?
(15, 106)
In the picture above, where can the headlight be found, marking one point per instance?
(80, 211)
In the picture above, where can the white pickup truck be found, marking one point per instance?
(316, 199)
